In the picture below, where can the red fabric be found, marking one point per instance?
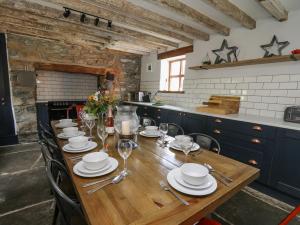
(206, 221)
(291, 216)
(78, 109)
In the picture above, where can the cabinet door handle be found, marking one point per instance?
(253, 162)
(216, 131)
(218, 120)
(158, 110)
(255, 141)
(145, 114)
(158, 117)
(257, 128)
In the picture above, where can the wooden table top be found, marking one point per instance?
(139, 199)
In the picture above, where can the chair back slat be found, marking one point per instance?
(70, 211)
(207, 142)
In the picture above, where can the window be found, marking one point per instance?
(172, 74)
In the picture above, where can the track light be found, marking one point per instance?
(67, 12)
(96, 21)
(82, 18)
(84, 15)
(109, 24)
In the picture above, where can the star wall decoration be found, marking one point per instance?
(275, 47)
(224, 53)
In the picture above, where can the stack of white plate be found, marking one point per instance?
(95, 164)
(150, 131)
(63, 123)
(79, 144)
(69, 132)
(192, 179)
(176, 145)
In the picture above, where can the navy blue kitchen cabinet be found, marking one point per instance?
(286, 164)
(275, 151)
(249, 143)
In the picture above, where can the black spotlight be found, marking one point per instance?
(82, 18)
(67, 13)
(96, 21)
(109, 24)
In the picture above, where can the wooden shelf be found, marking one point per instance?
(274, 59)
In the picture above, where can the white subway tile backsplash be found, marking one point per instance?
(264, 95)
(63, 86)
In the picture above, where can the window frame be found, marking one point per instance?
(180, 75)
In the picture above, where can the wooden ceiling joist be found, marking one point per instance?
(186, 11)
(231, 10)
(275, 8)
(175, 52)
(43, 17)
(138, 17)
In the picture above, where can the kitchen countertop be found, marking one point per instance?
(239, 117)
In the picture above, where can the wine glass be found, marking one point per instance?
(163, 129)
(186, 146)
(125, 149)
(82, 115)
(90, 123)
(102, 134)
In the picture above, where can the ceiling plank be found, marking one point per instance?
(175, 52)
(231, 10)
(121, 16)
(275, 8)
(186, 11)
(54, 16)
(147, 16)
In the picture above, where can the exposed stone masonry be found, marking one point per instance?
(24, 51)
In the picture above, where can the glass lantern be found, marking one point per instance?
(126, 121)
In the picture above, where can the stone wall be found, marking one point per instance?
(24, 51)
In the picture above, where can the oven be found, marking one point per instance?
(62, 109)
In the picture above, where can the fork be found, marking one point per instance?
(166, 188)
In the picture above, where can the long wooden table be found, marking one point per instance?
(139, 198)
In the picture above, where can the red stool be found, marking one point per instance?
(291, 216)
(206, 221)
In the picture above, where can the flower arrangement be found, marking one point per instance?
(99, 102)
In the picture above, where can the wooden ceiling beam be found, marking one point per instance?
(143, 15)
(54, 16)
(175, 52)
(275, 8)
(121, 16)
(188, 12)
(231, 10)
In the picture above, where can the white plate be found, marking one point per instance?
(59, 125)
(178, 178)
(114, 165)
(144, 134)
(176, 147)
(63, 136)
(82, 169)
(91, 146)
(70, 148)
(189, 191)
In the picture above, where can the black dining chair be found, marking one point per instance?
(174, 129)
(68, 209)
(147, 121)
(207, 142)
(46, 130)
(53, 149)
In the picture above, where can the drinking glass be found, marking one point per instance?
(90, 123)
(102, 134)
(125, 149)
(82, 114)
(186, 146)
(163, 129)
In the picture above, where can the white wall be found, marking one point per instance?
(65, 86)
(266, 89)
